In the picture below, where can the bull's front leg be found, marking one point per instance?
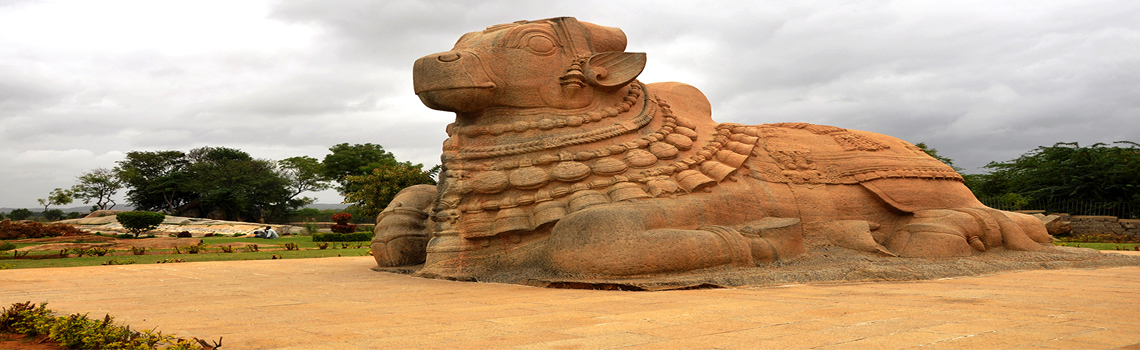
(402, 229)
(652, 237)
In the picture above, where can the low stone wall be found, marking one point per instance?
(1087, 224)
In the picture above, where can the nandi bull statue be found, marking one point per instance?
(561, 166)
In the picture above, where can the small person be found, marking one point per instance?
(270, 233)
(258, 233)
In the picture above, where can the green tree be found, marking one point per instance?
(155, 180)
(57, 196)
(207, 180)
(1066, 171)
(375, 190)
(934, 154)
(354, 160)
(98, 185)
(138, 222)
(20, 214)
(303, 174)
(53, 215)
(242, 187)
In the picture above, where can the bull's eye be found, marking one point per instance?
(540, 44)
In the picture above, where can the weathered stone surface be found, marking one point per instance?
(1054, 224)
(644, 185)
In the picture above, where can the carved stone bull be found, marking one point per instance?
(561, 165)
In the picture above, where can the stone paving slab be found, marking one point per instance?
(339, 303)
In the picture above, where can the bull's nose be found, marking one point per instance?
(448, 57)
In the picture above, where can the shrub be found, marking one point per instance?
(311, 227)
(185, 234)
(195, 249)
(342, 237)
(7, 246)
(342, 228)
(21, 230)
(342, 218)
(116, 261)
(77, 331)
(140, 221)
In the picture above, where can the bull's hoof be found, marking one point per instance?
(400, 237)
(401, 251)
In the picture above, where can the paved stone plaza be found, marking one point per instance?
(339, 303)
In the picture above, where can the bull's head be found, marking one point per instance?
(555, 63)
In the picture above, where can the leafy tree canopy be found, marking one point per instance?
(303, 174)
(376, 189)
(241, 187)
(225, 182)
(155, 180)
(20, 214)
(1067, 171)
(57, 196)
(354, 160)
(98, 185)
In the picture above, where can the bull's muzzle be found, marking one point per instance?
(453, 81)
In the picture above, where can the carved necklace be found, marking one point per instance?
(525, 191)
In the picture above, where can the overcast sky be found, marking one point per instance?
(83, 82)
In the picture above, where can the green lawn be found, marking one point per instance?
(212, 252)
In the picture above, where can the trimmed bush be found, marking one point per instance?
(342, 237)
(140, 221)
(338, 228)
(341, 218)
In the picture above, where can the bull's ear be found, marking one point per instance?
(611, 69)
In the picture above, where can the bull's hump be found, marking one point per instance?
(686, 100)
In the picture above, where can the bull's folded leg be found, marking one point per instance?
(649, 252)
(940, 233)
(401, 232)
(937, 233)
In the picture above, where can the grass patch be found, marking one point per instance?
(268, 249)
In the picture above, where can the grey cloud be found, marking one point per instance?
(979, 81)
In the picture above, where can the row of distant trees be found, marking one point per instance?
(230, 183)
(1050, 177)
(227, 183)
